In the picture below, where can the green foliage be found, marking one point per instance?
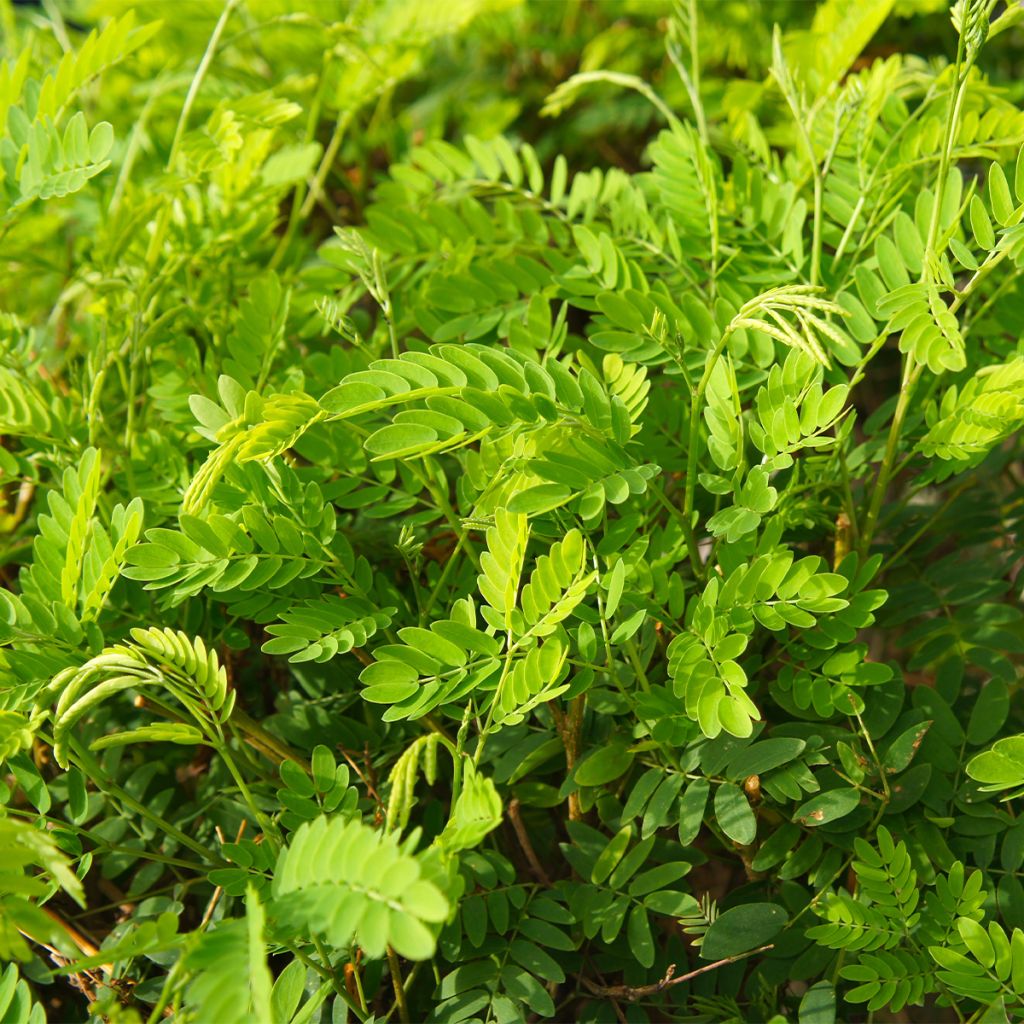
(517, 533)
(349, 883)
(16, 1002)
(158, 658)
(888, 926)
(230, 978)
(21, 915)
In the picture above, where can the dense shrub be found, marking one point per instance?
(510, 512)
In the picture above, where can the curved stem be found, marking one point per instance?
(197, 80)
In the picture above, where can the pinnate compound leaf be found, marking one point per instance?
(350, 883)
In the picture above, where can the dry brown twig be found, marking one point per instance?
(524, 842)
(633, 993)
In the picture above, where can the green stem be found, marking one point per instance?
(816, 238)
(317, 186)
(449, 566)
(329, 975)
(662, 499)
(698, 106)
(979, 275)
(638, 668)
(691, 453)
(270, 830)
(444, 506)
(495, 701)
(928, 524)
(911, 369)
(165, 994)
(803, 133)
(947, 147)
(266, 743)
(911, 374)
(134, 146)
(313, 1004)
(399, 986)
(197, 79)
(299, 195)
(878, 761)
(460, 746)
(164, 219)
(92, 769)
(357, 980)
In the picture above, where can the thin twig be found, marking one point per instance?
(363, 778)
(219, 891)
(524, 841)
(633, 993)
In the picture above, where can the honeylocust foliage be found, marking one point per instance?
(507, 531)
